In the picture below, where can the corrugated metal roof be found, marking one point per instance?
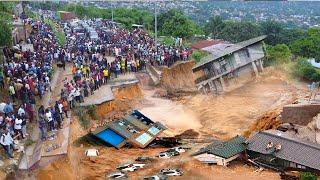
(225, 149)
(292, 149)
(122, 130)
(227, 51)
(206, 43)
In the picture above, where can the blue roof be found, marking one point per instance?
(111, 137)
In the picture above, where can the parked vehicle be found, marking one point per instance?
(139, 166)
(171, 172)
(117, 175)
(127, 167)
(130, 167)
(156, 177)
(165, 155)
(144, 159)
(178, 149)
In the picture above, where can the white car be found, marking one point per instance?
(139, 166)
(178, 149)
(117, 175)
(156, 177)
(127, 167)
(165, 155)
(171, 172)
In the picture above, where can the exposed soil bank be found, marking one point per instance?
(178, 78)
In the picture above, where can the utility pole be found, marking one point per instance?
(24, 22)
(155, 24)
(112, 14)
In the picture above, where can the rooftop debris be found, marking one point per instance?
(135, 129)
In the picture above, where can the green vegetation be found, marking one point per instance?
(92, 111)
(5, 23)
(167, 40)
(175, 23)
(198, 55)
(278, 54)
(61, 37)
(308, 46)
(82, 117)
(304, 70)
(29, 142)
(308, 176)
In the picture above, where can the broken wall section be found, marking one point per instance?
(300, 114)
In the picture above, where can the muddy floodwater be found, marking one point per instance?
(176, 116)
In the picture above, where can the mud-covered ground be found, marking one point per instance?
(220, 117)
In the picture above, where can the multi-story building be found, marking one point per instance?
(223, 67)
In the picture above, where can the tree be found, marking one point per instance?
(5, 26)
(309, 46)
(240, 31)
(163, 17)
(278, 54)
(273, 31)
(214, 27)
(179, 26)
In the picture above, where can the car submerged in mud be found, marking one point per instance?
(117, 175)
(171, 172)
(130, 167)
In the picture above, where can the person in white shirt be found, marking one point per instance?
(60, 106)
(7, 143)
(18, 127)
(49, 119)
(21, 111)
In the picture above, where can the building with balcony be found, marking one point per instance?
(225, 67)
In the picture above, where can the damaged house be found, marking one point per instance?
(275, 150)
(134, 129)
(221, 153)
(233, 62)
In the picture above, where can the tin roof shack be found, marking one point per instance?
(240, 61)
(274, 150)
(134, 129)
(66, 16)
(221, 153)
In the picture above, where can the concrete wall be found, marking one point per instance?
(210, 158)
(241, 76)
(300, 114)
(256, 51)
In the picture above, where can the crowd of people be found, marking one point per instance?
(24, 75)
(27, 74)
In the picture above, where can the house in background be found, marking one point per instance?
(221, 153)
(276, 150)
(66, 16)
(134, 129)
(229, 64)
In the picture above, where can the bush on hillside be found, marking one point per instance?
(307, 176)
(198, 55)
(304, 70)
(278, 54)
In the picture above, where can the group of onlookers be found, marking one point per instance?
(26, 74)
